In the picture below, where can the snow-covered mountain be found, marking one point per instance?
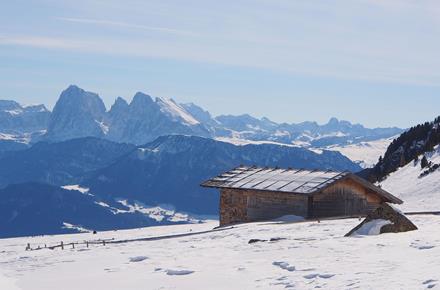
(16, 119)
(79, 113)
(145, 119)
(306, 134)
(19, 125)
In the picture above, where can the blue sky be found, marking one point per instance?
(369, 61)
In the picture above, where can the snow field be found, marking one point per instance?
(418, 193)
(310, 255)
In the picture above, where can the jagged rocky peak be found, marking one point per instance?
(9, 105)
(335, 124)
(36, 108)
(76, 96)
(77, 113)
(146, 118)
(141, 99)
(120, 106)
(120, 102)
(333, 121)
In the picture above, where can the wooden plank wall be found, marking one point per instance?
(345, 198)
(238, 205)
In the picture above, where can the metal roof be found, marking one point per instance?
(300, 181)
(274, 179)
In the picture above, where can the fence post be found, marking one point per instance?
(62, 245)
(28, 246)
(103, 242)
(87, 243)
(73, 245)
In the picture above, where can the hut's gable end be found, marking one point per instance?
(232, 207)
(238, 205)
(345, 198)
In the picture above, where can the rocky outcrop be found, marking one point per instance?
(77, 114)
(386, 219)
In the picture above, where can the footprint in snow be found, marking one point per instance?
(430, 283)
(178, 272)
(284, 266)
(421, 246)
(138, 259)
(83, 250)
(315, 275)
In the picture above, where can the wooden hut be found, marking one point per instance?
(255, 194)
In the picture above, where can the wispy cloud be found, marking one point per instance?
(126, 25)
(360, 40)
(301, 65)
(42, 42)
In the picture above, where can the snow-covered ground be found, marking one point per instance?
(418, 193)
(304, 255)
(366, 154)
(24, 138)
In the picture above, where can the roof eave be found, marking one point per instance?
(383, 193)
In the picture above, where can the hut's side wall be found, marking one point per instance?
(237, 205)
(345, 198)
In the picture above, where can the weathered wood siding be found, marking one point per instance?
(344, 198)
(238, 206)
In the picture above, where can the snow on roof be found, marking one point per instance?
(301, 181)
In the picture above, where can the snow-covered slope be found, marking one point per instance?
(366, 153)
(306, 255)
(418, 193)
(177, 112)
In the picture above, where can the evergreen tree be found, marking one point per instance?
(424, 162)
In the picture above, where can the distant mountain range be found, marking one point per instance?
(150, 180)
(79, 113)
(141, 163)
